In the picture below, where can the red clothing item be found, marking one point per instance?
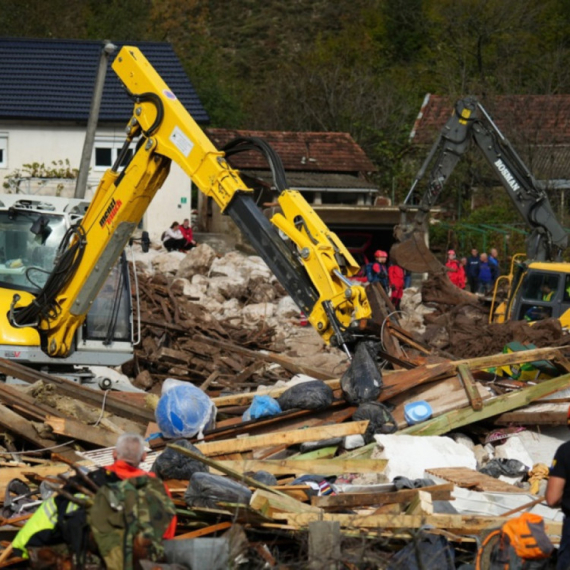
(125, 470)
(396, 281)
(456, 273)
(187, 233)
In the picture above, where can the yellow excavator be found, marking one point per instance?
(47, 293)
(539, 281)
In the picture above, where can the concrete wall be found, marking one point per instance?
(43, 144)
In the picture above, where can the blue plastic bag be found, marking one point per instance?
(261, 406)
(185, 411)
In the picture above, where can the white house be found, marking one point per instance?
(46, 87)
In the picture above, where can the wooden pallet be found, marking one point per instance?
(471, 479)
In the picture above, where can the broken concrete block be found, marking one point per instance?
(167, 262)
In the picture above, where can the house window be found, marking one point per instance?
(3, 150)
(106, 153)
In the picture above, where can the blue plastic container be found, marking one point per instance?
(416, 412)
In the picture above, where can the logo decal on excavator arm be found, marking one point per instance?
(110, 212)
(507, 175)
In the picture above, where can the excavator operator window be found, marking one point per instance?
(566, 298)
(539, 293)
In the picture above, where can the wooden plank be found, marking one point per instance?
(9, 473)
(460, 524)
(269, 503)
(496, 360)
(22, 427)
(443, 396)
(311, 467)
(540, 414)
(403, 380)
(420, 504)
(245, 399)
(470, 389)
(78, 430)
(437, 492)
(113, 404)
(493, 407)
(471, 479)
(282, 438)
(204, 531)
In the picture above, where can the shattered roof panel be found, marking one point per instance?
(331, 152)
(54, 80)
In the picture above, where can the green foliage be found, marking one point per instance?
(59, 169)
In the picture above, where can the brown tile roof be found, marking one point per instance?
(531, 119)
(312, 152)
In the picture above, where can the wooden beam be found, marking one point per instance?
(269, 503)
(89, 396)
(470, 388)
(78, 430)
(457, 418)
(460, 524)
(312, 467)
(245, 399)
(238, 445)
(22, 427)
(437, 492)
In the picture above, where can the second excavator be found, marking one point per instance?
(471, 125)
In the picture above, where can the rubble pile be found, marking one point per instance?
(296, 460)
(458, 323)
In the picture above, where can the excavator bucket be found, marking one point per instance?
(412, 253)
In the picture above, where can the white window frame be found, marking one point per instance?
(110, 143)
(4, 149)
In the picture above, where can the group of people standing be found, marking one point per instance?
(392, 277)
(179, 237)
(479, 271)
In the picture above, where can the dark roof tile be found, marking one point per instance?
(54, 80)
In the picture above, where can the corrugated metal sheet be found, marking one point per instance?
(54, 80)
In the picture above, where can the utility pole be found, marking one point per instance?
(81, 184)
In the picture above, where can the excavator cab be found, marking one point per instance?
(32, 229)
(544, 292)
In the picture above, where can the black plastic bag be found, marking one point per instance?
(362, 382)
(263, 477)
(207, 490)
(424, 551)
(402, 482)
(314, 395)
(380, 419)
(173, 465)
(508, 467)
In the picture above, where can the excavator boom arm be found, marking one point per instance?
(311, 264)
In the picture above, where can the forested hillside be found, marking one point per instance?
(361, 66)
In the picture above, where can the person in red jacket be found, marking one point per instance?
(396, 280)
(188, 234)
(454, 270)
(128, 454)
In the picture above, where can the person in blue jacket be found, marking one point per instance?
(377, 272)
(472, 270)
(486, 275)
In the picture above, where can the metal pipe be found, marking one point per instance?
(81, 184)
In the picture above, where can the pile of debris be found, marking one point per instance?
(298, 461)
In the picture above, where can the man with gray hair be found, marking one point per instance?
(44, 528)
